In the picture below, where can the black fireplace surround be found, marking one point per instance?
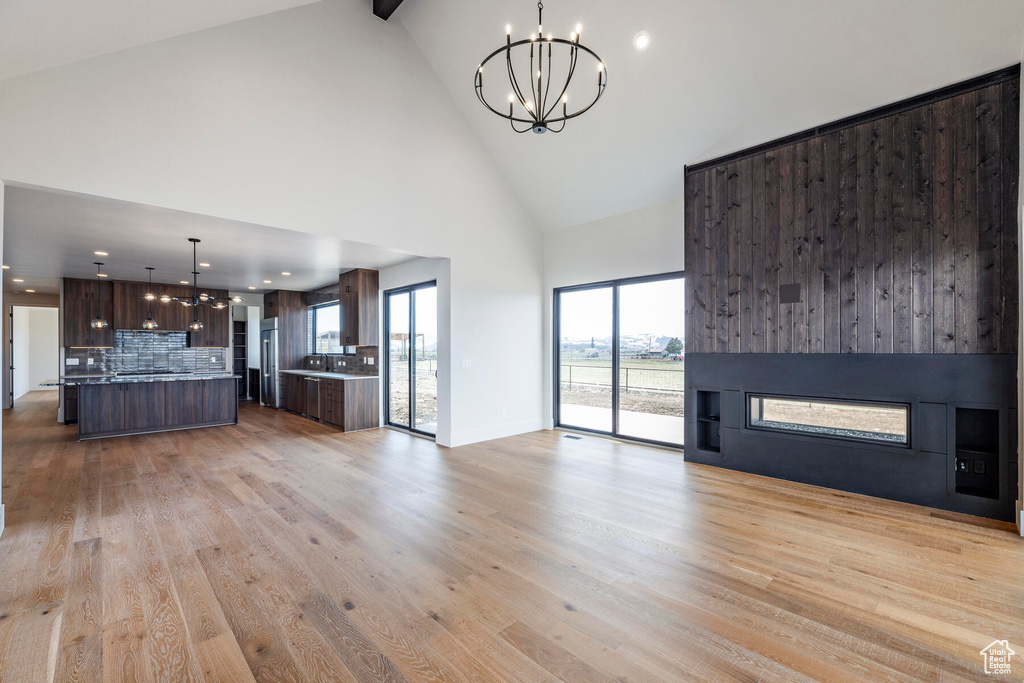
(962, 445)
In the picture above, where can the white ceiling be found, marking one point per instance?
(718, 77)
(49, 235)
(37, 34)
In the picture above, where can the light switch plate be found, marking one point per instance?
(213, 359)
(70, 361)
(467, 364)
(89, 361)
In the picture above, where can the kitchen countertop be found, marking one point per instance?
(80, 380)
(327, 375)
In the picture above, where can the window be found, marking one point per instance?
(619, 365)
(325, 325)
(861, 421)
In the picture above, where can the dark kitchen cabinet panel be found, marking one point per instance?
(220, 400)
(274, 301)
(358, 294)
(312, 398)
(144, 405)
(70, 405)
(216, 323)
(91, 290)
(100, 409)
(361, 409)
(183, 404)
(294, 393)
(129, 311)
(78, 316)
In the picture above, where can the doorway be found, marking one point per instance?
(410, 363)
(34, 350)
(619, 358)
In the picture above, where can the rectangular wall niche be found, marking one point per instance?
(887, 423)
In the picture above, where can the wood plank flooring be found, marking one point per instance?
(282, 550)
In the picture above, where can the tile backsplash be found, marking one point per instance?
(354, 364)
(142, 351)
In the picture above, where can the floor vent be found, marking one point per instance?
(574, 438)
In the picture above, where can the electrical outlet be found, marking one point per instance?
(467, 364)
(89, 361)
(213, 359)
(370, 359)
(962, 465)
(979, 467)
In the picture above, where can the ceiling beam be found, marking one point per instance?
(385, 8)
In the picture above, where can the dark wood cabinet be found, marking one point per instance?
(220, 401)
(358, 294)
(312, 398)
(144, 405)
(294, 393)
(83, 301)
(183, 404)
(216, 323)
(100, 409)
(140, 407)
(70, 405)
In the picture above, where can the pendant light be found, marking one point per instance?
(195, 325)
(99, 322)
(150, 322)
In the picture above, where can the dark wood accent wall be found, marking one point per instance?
(900, 231)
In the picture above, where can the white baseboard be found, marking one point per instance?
(494, 432)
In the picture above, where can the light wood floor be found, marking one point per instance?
(281, 550)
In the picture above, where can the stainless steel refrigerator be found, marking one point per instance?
(269, 394)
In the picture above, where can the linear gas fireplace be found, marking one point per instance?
(887, 423)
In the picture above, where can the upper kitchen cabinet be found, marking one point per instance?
(216, 322)
(83, 301)
(279, 299)
(358, 295)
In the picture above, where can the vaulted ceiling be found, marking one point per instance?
(718, 77)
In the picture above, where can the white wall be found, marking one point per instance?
(644, 242)
(35, 348)
(321, 119)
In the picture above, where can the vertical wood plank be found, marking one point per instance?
(745, 230)
(1009, 244)
(902, 275)
(735, 229)
(771, 254)
(965, 221)
(816, 221)
(722, 254)
(882, 248)
(848, 229)
(832, 248)
(989, 219)
(921, 228)
(710, 262)
(757, 247)
(867, 158)
(786, 274)
(943, 252)
(800, 245)
(693, 256)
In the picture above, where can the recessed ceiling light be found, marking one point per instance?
(184, 282)
(6, 267)
(101, 274)
(266, 282)
(30, 291)
(642, 40)
(205, 265)
(285, 273)
(18, 279)
(101, 253)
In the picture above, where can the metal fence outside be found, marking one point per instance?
(648, 379)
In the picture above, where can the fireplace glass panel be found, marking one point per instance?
(863, 421)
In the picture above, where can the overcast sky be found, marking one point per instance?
(654, 308)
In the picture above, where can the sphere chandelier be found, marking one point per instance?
(529, 107)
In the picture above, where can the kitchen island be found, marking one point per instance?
(117, 405)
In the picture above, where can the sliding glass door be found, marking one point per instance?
(410, 316)
(620, 358)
